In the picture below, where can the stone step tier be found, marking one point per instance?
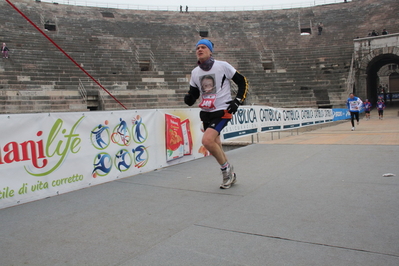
(145, 58)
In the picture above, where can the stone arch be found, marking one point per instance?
(367, 78)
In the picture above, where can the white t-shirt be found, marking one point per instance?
(355, 104)
(214, 85)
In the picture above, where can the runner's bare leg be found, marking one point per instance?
(211, 141)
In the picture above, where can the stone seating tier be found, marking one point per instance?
(146, 57)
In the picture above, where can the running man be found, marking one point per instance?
(367, 109)
(380, 108)
(354, 105)
(217, 106)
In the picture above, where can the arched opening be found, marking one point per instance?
(376, 79)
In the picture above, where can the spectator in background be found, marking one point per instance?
(320, 28)
(374, 33)
(380, 108)
(381, 89)
(186, 9)
(181, 9)
(384, 32)
(4, 50)
(367, 109)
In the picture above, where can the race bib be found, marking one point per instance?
(354, 106)
(208, 102)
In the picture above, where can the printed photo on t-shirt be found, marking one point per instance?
(208, 90)
(208, 85)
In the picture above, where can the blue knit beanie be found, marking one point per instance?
(208, 43)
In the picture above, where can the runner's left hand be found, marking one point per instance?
(233, 107)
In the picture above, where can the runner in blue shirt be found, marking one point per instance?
(367, 109)
(354, 105)
(380, 108)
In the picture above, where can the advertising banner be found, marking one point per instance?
(43, 155)
(257, 119)
(270, 119)
(308, 117)
(323, 116)
(243, 123)
(291, 118)
(341, 114)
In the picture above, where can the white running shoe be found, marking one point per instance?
(353, 128)
(229, 177)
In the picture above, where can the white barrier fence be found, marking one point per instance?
(43, 155)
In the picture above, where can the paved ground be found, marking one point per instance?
(317, 198)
